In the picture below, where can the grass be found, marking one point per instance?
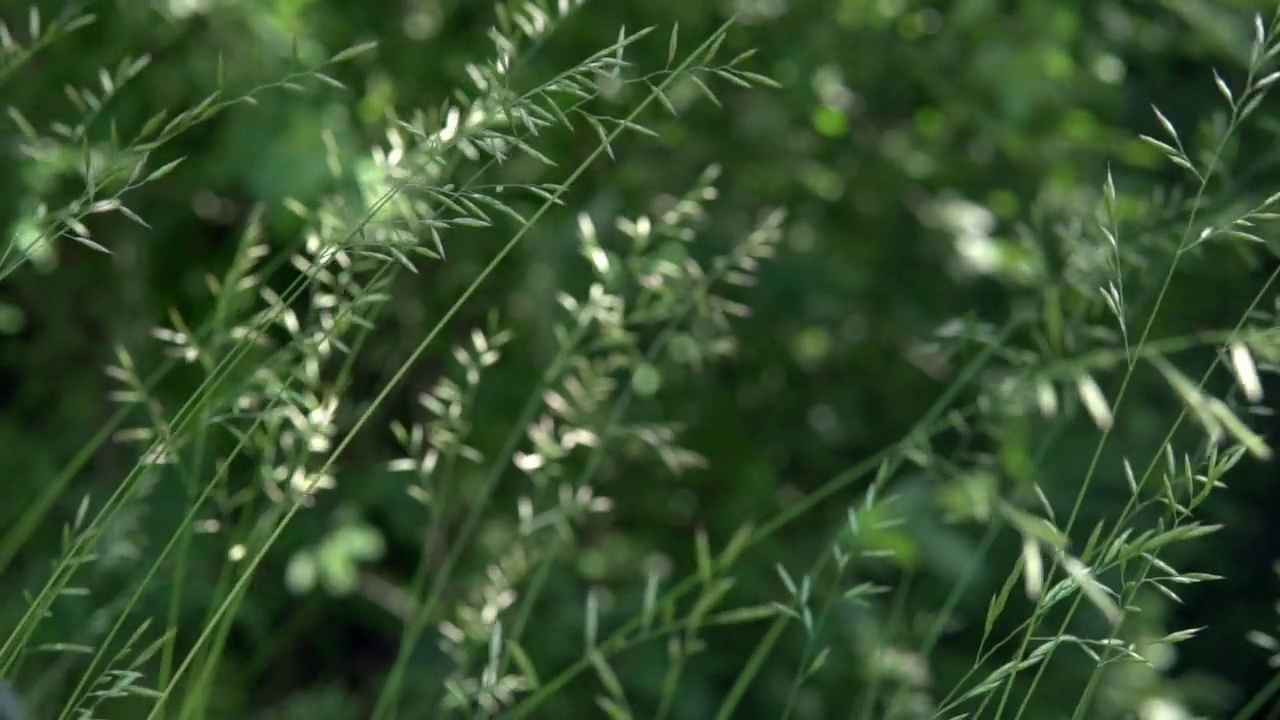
(258, 443)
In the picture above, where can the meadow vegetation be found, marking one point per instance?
(571, 358)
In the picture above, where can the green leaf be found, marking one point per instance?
(353, 51)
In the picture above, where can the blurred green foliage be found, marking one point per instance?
(932, 157)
